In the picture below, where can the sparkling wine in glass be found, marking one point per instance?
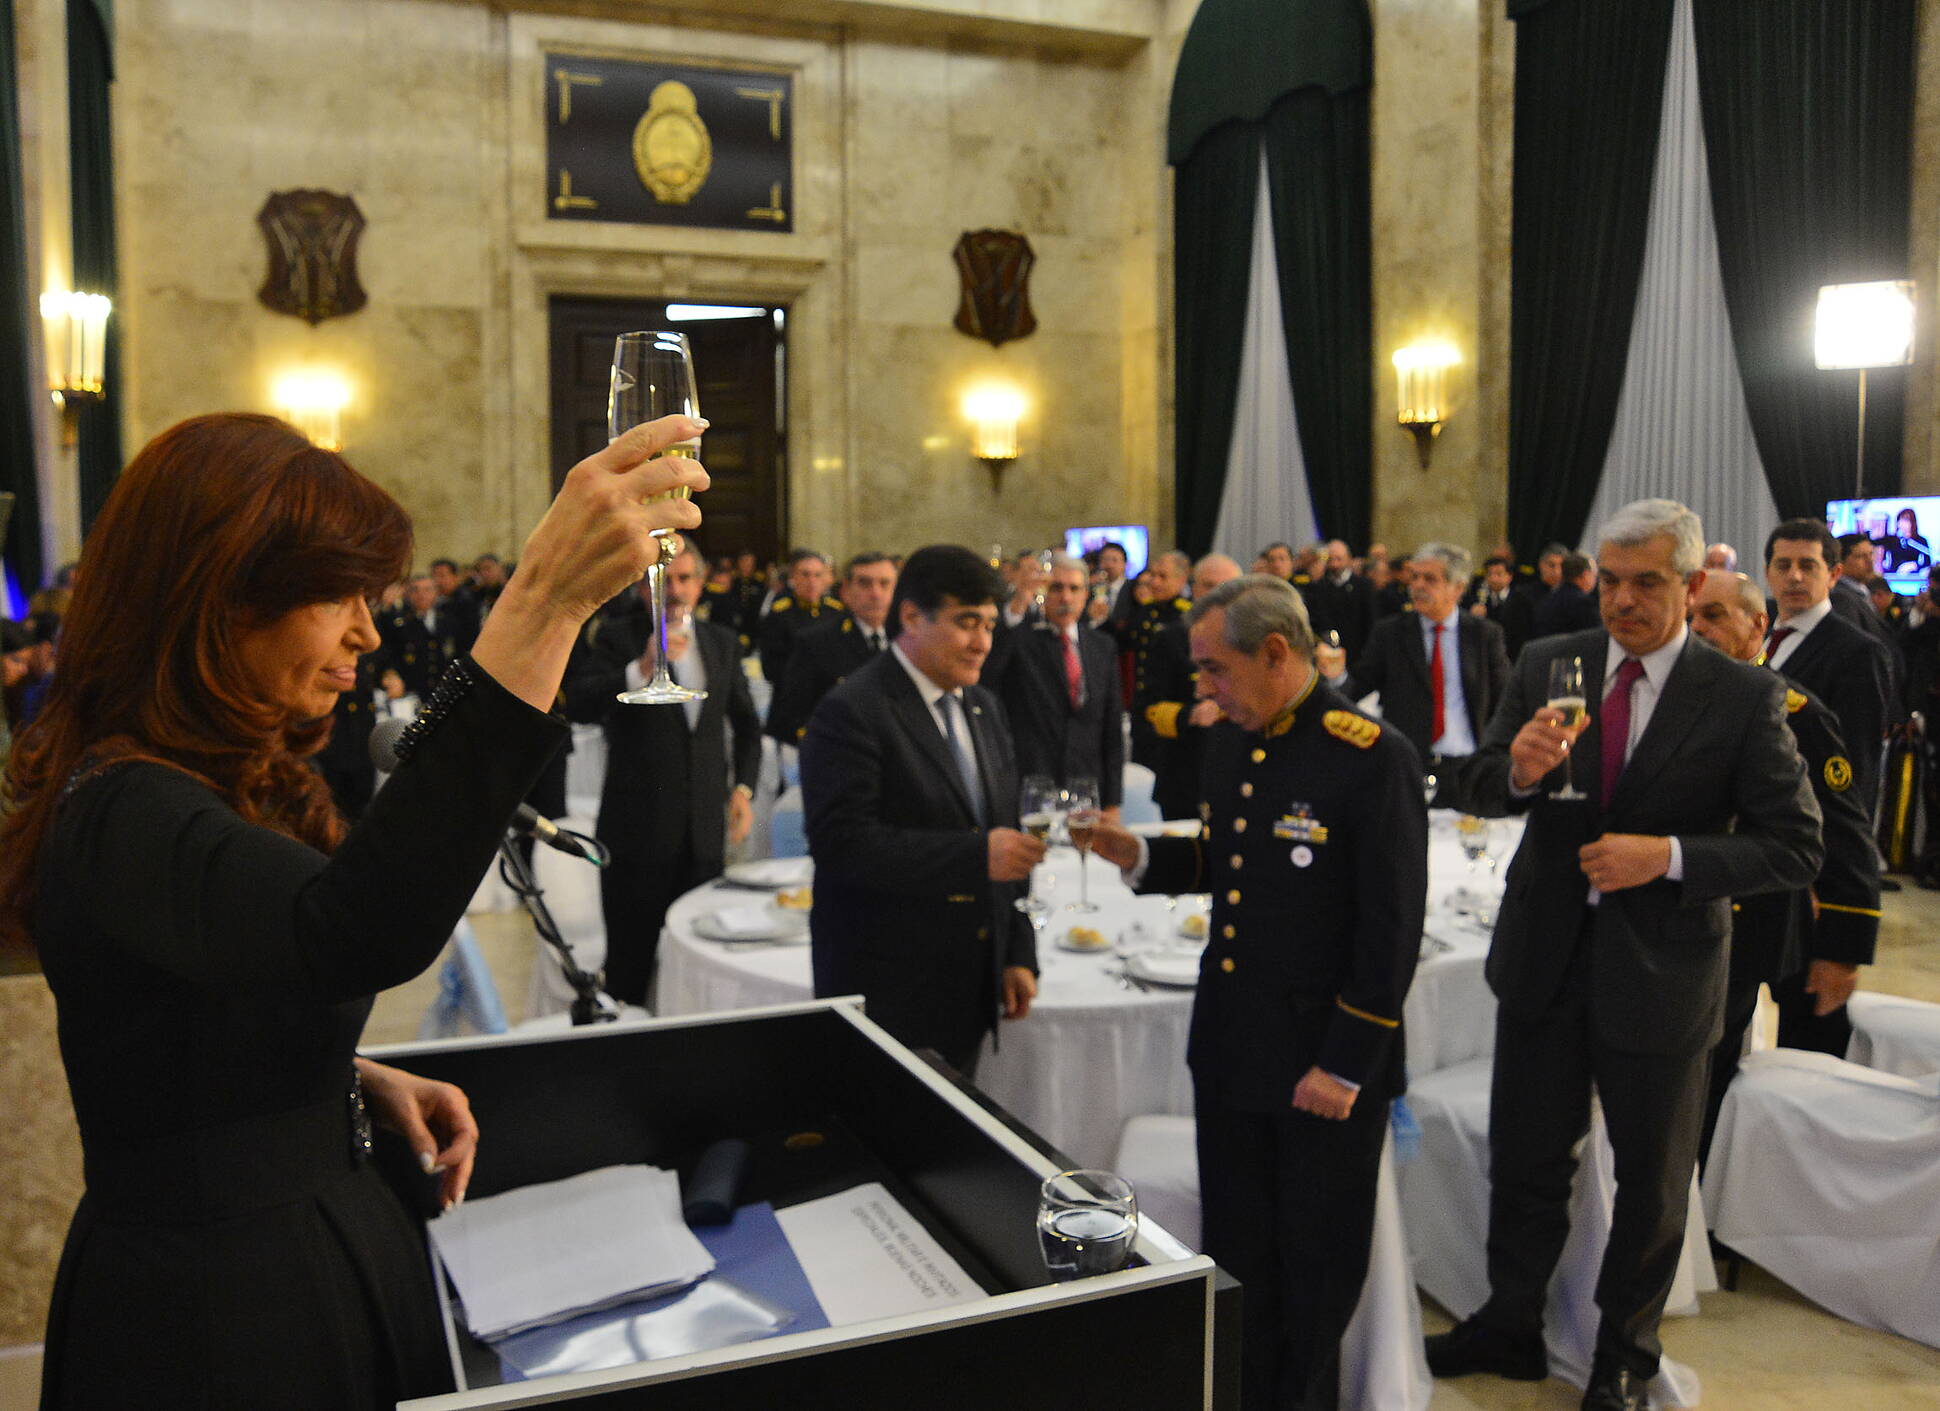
(1080, 818)
(1086, 1223)
(1037, 814)
(1566, 695)
(653, 376)
(1473, 833)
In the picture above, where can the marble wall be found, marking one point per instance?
(913, 124)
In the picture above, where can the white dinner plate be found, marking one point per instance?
(1168, 828)
(752, 923)
(1176, 965)
(1103, 947)
(771, 873)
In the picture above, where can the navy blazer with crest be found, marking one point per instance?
(1717, 769)
(905, 912)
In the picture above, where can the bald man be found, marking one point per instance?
(1168, 706)
(1807, 945)
(1340, 600)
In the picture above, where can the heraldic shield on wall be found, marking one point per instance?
(312, 239)
(996, 270)
(645, 143)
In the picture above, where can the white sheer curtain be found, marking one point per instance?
(1266, 494)
(1682, 431)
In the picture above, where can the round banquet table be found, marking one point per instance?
(1097, 1050)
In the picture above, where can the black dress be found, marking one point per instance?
(234, 1246)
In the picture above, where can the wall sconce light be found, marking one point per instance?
(1421, 371)
(993, 411)
(314, 402)
(76, 327)
(1863, 326)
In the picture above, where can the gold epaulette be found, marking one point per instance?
(781, 604)
(1164, 719)
(1357, 730)
(1794, 702)
(1182, 604)
(831, 602)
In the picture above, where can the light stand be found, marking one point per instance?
(1862, 326)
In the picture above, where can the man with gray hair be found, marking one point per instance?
(1609, 957)
(1720, 558)
(1315, 851)
(1440, 671)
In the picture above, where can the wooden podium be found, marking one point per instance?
(827, 1101)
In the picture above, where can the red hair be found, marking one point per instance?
(221, 525)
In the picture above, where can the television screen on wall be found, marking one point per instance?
(1902, 528)
(1137, 542)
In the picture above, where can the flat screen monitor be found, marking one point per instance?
(1902, 527)
(1137, 542)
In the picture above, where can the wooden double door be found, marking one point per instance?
(738, 362)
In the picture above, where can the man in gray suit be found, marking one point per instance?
(1609, 960)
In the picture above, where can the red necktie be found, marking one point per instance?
(1435, 686)
(1778, 639)
(1074, 672)
(1616, 724)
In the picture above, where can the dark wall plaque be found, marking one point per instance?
(668, 144)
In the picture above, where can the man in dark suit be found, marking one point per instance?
(1609, 958)
(1316, 854)
(1496, 599)
(1170, 707)
(457, 607)
(909, 794)
(1058, 682)
(1841, 664)
(667, 810)
(1807, 945)
(416, 644)
(1340, 600)
(1571, 605)
(826, 653)
(1439, 670)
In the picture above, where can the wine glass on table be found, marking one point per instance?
(1080, 818)
(1037, 814)
(1566, 696)
(1086, 1223)
(653, 376)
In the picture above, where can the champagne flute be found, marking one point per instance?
(1037, 814)
(1080, 817)
(1566, 695)
(1473, 833)
(653, 376)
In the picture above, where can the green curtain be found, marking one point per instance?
(1589, 90)
(1213, 198)
(19, 326)
(1292, 75)
(1808, 117)
(1317, 167)
(90, 73)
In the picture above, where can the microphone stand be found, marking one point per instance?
(591, 1005)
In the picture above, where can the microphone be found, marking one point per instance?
(527, 822)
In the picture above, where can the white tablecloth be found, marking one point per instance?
(1094, 1053)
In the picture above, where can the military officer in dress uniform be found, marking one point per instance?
(1168, 572)
(1807, 945)
(1169, 702)
(825, 654)
(806, 603)
(414, 647)
(1315, 849)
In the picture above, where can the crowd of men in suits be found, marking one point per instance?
(1730, 762)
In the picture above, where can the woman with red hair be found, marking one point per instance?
(213, 933)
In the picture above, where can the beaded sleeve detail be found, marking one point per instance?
(452, 687)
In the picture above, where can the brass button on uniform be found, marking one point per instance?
(983, 933)
(1246, 791)
(1239, 825)
(1238, 862)
(1227, 965)
(1259, 756)
(1232, 897)
(1229, 931)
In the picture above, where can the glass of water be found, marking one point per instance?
(1086, 1222)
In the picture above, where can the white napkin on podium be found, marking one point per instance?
(548, 1252)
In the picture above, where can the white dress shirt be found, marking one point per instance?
(687, 670)
(1801, 626)
(1644, 693)
(932, 694)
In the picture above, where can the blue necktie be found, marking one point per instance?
(966, 766)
